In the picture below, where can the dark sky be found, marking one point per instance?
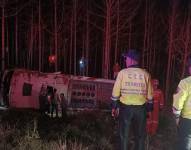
(131, 33)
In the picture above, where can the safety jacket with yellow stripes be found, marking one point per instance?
(132, 87)
(182, 99)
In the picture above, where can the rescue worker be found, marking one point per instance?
(132, 94)
(54, 103)
(158, 104)
(63, 104)
(116, 69)
(48, 102)
(182, 111)
(43, 99)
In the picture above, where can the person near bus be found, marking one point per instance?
(131, 96)
(182, 110)
(158, 104)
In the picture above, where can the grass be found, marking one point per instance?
(29, 130)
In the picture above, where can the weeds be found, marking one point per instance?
(28, 130)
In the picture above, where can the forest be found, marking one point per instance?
(100, 32)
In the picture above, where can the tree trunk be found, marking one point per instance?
(186, 46)
(170, 49)
(56, 35)
(87, 41)
(145, 35)
(39, 38)
(130, 28)
(7, 47)
(71, 45)
(16, 40)
(3, 38)
(75, 24)
(107, 46)
(117, 34)
(31, 42)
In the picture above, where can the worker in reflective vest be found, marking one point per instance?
(182, 111)
(131, 96)
(153, 117)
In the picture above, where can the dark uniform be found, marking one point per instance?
(133, 89)
(42, 99)
(54, 103)
(63, 105)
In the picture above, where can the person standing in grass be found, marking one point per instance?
(54, 103)
(63, 104)
(43, 99)
(182, 111)
(158, 104)
(132, 94)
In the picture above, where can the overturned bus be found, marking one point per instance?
(21, 88)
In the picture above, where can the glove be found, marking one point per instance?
(114, 104)
(115, 108)
(177, 121)
(149, 106)
(115, 112)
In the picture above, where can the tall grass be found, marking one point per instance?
(28, 130)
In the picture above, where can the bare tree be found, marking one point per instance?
(55, 35)
(171, 43)
(117, 32)
(75, 30)
(39, 36)
(30, 43)
(3, 35)
(16, 38)
(186, 40)
(71, 44)
(150, 33)
(87, 38)
(122, 20)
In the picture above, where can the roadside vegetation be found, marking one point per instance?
(29, 130)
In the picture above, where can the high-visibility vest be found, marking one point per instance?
(132, 86)
(182, 99)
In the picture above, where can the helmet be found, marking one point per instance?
(133, 54)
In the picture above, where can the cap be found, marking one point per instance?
(133, 54)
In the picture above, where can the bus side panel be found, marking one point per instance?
(104, 95)
(82, 94)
